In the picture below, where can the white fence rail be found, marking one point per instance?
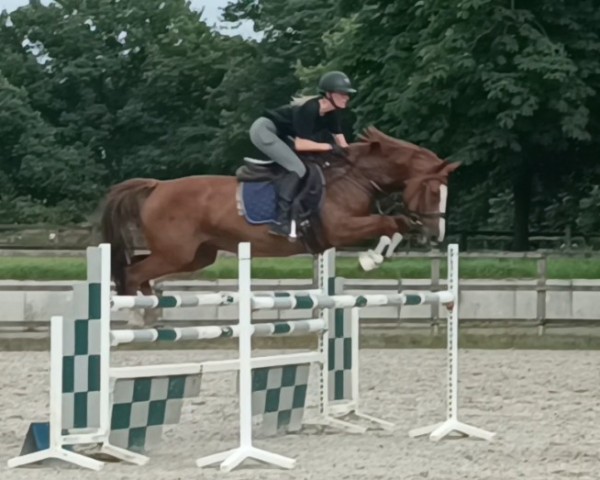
(30, 303)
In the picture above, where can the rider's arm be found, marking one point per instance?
(305, 145)
(341, 140)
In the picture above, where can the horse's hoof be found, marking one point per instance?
(377, 257)
(370, 260)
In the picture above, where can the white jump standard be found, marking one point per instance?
(92, 402)
(452, 424)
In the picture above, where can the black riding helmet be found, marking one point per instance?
(335, 82)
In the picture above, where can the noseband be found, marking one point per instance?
(420, 180)
(403, 208)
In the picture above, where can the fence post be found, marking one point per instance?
(568, 238)
(435, 283)
(542, 274)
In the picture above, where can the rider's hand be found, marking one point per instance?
(338, 150)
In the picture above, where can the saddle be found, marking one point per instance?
(259, 195)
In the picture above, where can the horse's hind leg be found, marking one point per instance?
(145, 287)
(205, 255)
(157, 265)
(137, 317)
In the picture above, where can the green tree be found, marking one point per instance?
(34, 168)
(263, 72)
(121, 87)
(506, 86)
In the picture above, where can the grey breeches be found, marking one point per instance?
(263, 134)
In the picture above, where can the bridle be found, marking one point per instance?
(372, 188)
(403, 208)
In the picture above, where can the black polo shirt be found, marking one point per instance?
(304, 121)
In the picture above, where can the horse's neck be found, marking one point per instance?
(350, 190)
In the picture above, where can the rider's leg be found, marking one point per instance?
(286, 190)
(263, 134)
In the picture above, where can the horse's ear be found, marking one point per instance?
(368, 134)
(371, 143)
(385, 148)
(448, 168)
(378, 141)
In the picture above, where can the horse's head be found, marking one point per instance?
(395, 165)
(425, 196)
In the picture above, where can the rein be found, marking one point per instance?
(352, 172)
(347, 174)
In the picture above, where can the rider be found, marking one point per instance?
(310, 125)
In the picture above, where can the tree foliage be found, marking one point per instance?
(509, 89)
(95, 92)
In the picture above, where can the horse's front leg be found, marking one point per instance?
(353, 230)
(349, 231)
(373, 258)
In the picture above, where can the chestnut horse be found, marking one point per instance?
(185, 222)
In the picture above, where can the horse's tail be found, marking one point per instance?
(121, 211)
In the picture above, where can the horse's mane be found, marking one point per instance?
(398, 148)
(371, 138)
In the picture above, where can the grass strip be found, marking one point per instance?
(47, 268)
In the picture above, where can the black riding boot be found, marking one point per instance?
(286, 188)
